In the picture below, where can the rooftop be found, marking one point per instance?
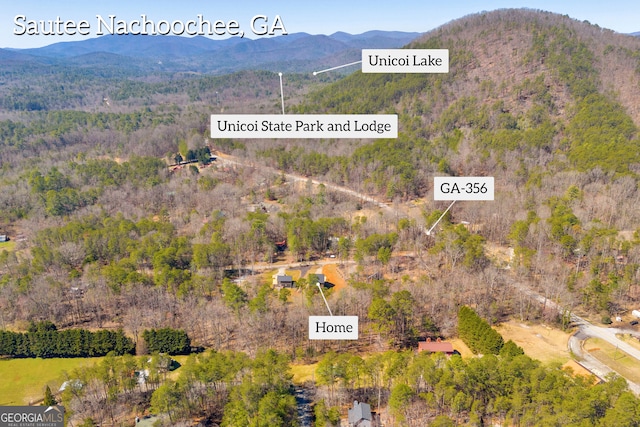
(435, 346)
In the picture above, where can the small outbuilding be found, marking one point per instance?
(437, 346)
(283, 281)
(360, 415)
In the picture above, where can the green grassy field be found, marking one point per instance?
(303, 373)
(614, 358)
(23, 380)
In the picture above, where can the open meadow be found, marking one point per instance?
(24, 380)
(540, 342)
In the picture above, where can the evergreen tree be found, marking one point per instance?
(233, 295)
(477, 334)
(49, 399)
(167, 340)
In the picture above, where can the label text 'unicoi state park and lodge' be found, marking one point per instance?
(304, 126)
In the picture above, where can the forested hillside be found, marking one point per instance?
(543, 103)
(124, 215)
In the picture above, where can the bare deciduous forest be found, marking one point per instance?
(112, 228)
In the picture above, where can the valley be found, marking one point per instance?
(124, 214)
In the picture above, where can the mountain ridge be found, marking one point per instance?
(201, 54)
(528, 89)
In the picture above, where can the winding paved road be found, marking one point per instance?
(587, 330)
(601, 370)
(610, 335)
(230, 160)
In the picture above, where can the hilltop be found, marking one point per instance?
(520, 44)
(544, 89)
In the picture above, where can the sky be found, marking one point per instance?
(314, 17)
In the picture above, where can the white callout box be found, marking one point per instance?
(463, 188)
(333, 327)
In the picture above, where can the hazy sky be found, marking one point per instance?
(314, 17)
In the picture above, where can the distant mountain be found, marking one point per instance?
(17, 56)
(294, 52)
(132, 45)
(637, 34)
(374, 39)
